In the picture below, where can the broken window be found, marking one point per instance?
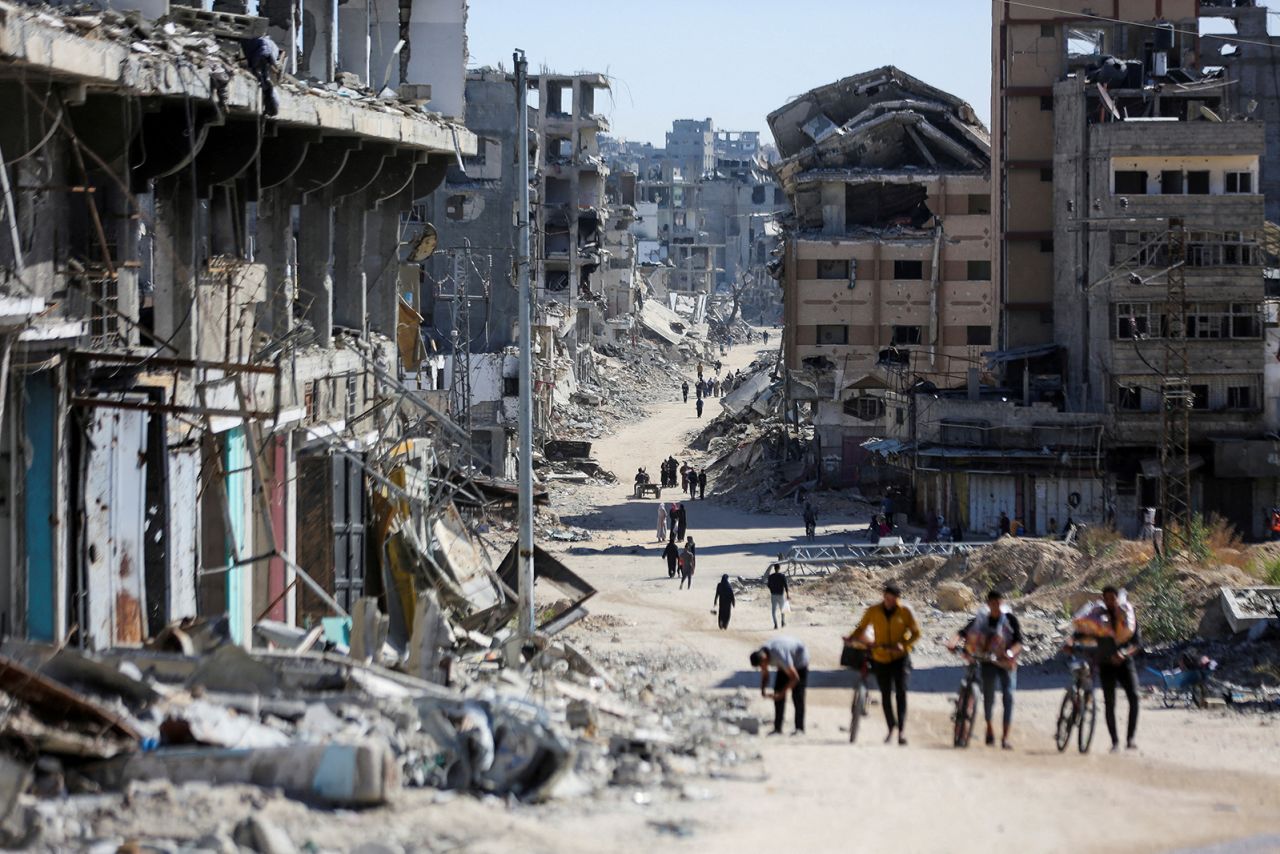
(758, 194)
(908, 269)
(1046, 174)
(1198, 183)
(979, 203)
(1246, 321)
(833, 334)
(1171, 182)
(864, 408)
(1239, 182)
(978, 336)
(779, 197)
(833, 269)
(1046, 245)
(1138, 320)
(978, 271)
(1129, 398)
(1240, 397)
(1046, 103)
(1085, 41)
(1200, 396)
(907, 335)
(1130, 182)
(1046, 31)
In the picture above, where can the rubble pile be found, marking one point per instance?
(211, 43)
(624, 382)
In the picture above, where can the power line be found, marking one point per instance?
(1165, 28)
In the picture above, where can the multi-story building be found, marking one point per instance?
(201, 315)
(691, 147)
(887, 252)
(1131, 238)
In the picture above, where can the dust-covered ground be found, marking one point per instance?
(1200, 778)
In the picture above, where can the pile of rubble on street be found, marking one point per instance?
(438, 693)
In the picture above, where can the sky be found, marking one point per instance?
(734, 61)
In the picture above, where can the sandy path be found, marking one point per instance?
(1200, 778)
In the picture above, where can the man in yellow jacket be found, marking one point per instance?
(896, 631)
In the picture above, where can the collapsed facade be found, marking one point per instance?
(887, 254)
(201, 317)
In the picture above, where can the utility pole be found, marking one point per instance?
(1177, 398)
(524, 548)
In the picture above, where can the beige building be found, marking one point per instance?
(887, 252)
(1032, 49)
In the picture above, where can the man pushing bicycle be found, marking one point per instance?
(994, 637)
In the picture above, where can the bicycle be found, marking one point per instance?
(966, 708)
(860, 662)
(1079, 710)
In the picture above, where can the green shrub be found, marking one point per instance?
(1165, 615)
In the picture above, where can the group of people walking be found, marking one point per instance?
(1105, 629)
(691, 480)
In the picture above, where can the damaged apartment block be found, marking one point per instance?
(887, 253)
(200, 314)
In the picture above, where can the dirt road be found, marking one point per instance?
(1199, 779)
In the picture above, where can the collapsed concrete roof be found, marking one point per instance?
(879, 120)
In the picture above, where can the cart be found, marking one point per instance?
(647, 490)
(1183, 687)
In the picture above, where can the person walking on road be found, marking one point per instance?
(684, 387)
(702, 484)
(896, 631)
(688, 559)
(791, 658)
(779, 596)
(698, 406)
(724, 598)
(994, 632)
(1114, 623)
(810, 521)
(682, 521)
(662, 522)
(672, 554)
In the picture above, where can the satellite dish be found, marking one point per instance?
(424, 245)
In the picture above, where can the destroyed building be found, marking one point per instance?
(1131, 274)
(201, 313)
(1158, 49)
(887, 253)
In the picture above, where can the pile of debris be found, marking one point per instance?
(757, 457)
(621, 384)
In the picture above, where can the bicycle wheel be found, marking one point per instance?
(1066, 720)
(858, 709)
(966, 712)
(1088, 721)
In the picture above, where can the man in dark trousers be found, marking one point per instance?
(672, 554)
(684, 387)
(682, 521)
(702, 484)
(779, 595)
(1004, 524)
(792, 660)
(699, 406)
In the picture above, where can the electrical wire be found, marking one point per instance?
(1067, 13)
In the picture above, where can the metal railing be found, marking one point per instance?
(819, 560)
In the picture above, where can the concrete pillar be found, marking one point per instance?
(315, 265)
(348, 263)
(124, 221)
(226, 223)
(176, 319)
(275, 250)
(382, 264)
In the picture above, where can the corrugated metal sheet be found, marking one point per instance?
(989, 496)
(1060, 498)
(182, 528)
(114, 513)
